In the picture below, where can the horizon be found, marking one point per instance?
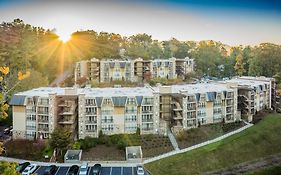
(232, 23)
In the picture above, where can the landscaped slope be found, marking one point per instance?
(259, 141)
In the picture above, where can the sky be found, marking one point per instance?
(234, 22)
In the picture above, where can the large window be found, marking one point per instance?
(147, 118)
(91, 128)
(108, 127)
(130, 118)
(107, 119)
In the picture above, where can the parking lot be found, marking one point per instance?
(104, 171)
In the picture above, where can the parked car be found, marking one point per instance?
(50, 170)
(73, 170)
(22, 166)
(7, 131)
(83, 169)
(30, 169)
(140, 170)
(96, 170)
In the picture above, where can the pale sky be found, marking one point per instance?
(162, 20)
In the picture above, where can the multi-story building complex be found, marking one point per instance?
(132, 70)
(189, 106)
(254, 94)
(87, 111)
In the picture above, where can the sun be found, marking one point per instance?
(64, 36)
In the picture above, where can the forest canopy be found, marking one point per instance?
(39, 50)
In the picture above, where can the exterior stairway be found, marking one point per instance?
(173, 140)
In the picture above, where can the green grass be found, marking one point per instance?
(275, 170)
(261, 140)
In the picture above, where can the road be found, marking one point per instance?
(105, 170)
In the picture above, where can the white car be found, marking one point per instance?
(30, 169)
(140, 170)
(83, 169)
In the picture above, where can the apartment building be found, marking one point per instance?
(254, 94)
(84, 112)
(189, 106)
(135, 70)
(87, 111)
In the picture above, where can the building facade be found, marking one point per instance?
(154, 110)
(136, 70)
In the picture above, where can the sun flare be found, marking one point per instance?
(64, 36)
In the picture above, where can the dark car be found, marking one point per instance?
(22, 166)
(50, 170)
(73, 170)
(96, 170)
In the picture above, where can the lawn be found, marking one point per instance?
(256, 142)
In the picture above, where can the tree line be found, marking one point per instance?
(26, 47)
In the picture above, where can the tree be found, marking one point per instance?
(265, 60)
(239, 66)
(8, 168)
(5, 88)
(60, 139)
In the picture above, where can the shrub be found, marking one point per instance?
(76, 145)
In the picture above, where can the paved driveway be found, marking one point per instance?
(104, 171)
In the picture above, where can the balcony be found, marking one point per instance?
(131, 111)
(90, 121)
(66, 122)
(147, 111)
(46, 129)
(43, 121)
(91, 113)
(43, 112)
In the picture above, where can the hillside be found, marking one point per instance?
(259, 141)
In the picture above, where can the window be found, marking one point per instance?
(147, 109)
(217, 111)
(43, 110)
(31, 117)
(91, 128)
(108, 127)
(131, 101)
(201, 105)
(107, 119)
(92, 119)
(148, 100)
(90, 102)
(201, 113)
(131, 118)
(44, 101)
(91, 110)
(107, 101)
(147, 126)
(131, 109)
(147, 118)
(131, 127)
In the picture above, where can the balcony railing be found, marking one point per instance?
(147, 111)
(43, 129)
(147, 120)
(91, 121)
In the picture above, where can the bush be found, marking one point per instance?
(121, 144)
(88, 143)
(76, 145)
